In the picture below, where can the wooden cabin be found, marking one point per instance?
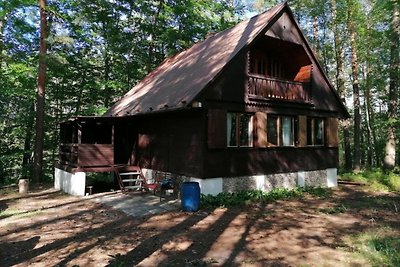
(247, 108)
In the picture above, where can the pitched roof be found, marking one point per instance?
(177, 81)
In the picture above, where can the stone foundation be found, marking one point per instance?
(74, 183)
(214, 186)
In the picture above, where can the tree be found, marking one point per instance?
(355, 83)
(340, 81)
(394, 75)
(40, 95)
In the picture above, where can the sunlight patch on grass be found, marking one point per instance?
(376, 179)
(381, 247)
(18, 213)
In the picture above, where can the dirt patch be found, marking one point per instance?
(48, 228)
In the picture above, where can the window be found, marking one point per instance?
(280, 130)
(315, 132)
(287, 131)
(272, 130)
(239, 130)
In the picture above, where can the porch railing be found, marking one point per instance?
(270, 88)
(86, 155)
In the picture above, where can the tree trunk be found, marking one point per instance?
(340, 85)
(40, 95)
(2, 20)
(315, 36)
(356, 91)
(390, 148)
(369, 112)
(26, 157)
(152, 36)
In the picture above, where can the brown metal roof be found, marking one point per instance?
(178, 80)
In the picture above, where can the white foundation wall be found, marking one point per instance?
(214, 186)
(71, 183)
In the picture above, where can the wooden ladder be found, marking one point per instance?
(130, 178)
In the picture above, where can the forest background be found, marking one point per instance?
(91, 52)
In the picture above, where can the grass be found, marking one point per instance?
(381, 247)
(18, 213)
(334, 210)
(375, 179)
(248, 197)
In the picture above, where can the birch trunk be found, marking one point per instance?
(390, 148)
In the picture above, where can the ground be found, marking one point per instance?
(49, 228)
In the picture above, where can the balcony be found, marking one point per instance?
(261, 87)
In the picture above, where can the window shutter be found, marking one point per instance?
(260, 123)
(217, 128)
(332, 127)
(302, 132)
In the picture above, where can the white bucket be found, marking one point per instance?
(23, 186)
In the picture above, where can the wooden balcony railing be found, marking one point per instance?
(262, 87)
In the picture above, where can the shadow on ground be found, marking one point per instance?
(284, 233)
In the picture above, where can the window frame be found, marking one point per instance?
(280, 131)
(311, 131)
(237, 125)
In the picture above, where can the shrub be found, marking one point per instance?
(247, 197)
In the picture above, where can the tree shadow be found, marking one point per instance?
(274, 234)
(23, 246)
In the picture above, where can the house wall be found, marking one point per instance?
(171, 142)
(229, 93)
(255, 161)
(231, 86)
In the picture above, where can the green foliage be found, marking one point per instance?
(248, 197)
(97, 50)
(334, 210)
(319, 192)
(379, 246)
(375, 179)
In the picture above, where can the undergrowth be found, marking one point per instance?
(375, 179)
(381, 247)
(247, 197)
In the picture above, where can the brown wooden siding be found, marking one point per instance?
(332, 130)
(172, 142)
(216, 137)
(241, 162)
(95, 155)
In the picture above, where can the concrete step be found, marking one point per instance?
(129, 173)
(133, 187)
(131, 180)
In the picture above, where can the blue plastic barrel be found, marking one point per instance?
(190, 196)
